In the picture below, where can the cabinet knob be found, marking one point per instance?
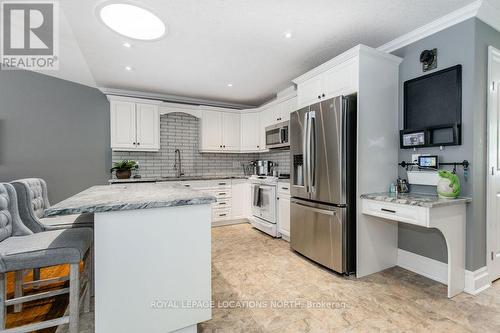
(134, 143)
(319, 96)
(138, 143)
(224, 146)
(220, 146)
(323, 95)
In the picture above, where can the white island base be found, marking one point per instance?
(153, 269)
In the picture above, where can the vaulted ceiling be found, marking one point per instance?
(212, 43)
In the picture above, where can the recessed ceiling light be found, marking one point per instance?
(128, 68)
(127, 45)
(288, 35)
(229, 85)
(132, 21)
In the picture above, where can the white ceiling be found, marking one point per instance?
(212, 43)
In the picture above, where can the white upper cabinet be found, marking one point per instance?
(211, 131)
(148, 126)
(220, 131)
(134, 126)
(341, 79)
(231, 132)
(310, 91)
(123, 118)
(250, 132)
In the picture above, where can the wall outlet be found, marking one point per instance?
(414, 158)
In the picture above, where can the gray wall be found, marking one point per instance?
(53, 129)
(181, 131)
(456, 45)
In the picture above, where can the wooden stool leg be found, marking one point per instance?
(2, 301)
(36, 277)
(88, 281)
(18, 289)
(74, 296)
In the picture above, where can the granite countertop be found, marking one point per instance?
(171, 179)
(415, 199)
(104, 198)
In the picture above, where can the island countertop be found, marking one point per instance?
(99, 199)
(415, 199)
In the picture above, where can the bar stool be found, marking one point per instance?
(33, 199)
(21, 249)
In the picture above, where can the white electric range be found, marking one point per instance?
(264, 207)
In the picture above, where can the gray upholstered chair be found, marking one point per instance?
(21, 249)
(33, 199)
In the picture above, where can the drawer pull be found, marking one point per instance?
(222, 193)
(222, 203)
(284, 188)
(222, 184)
(388, 210)
(221, 215)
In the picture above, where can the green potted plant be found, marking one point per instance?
(123, 169)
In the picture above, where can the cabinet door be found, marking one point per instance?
(123, 125)
(250, 131)
(284, 215)
(341, 79)
(239, 200)
(287, 107)
(231, 132)
(211, 131)
(309, 91)
(148, 127)
(266, 119)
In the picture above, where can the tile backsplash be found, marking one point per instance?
(180, 131)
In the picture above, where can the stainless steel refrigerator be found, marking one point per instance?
(323, 182)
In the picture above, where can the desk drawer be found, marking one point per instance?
(397, 212)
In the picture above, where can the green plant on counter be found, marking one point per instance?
(124, 165)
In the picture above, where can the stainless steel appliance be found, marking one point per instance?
(323, 182)
(263, 168)
(264, 204)
(277, 136)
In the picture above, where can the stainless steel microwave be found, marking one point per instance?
(277, 135)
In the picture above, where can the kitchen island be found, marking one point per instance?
(152, 255)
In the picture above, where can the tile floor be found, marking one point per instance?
(260, 285)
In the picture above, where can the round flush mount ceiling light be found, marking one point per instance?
(132, 21)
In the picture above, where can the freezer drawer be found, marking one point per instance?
(316, 231)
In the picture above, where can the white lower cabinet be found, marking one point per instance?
(240, 200)
(284, 210)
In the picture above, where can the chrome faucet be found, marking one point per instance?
(178, 164)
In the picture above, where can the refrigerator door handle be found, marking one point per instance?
(312, 150)
(305, 158)
(316, 210)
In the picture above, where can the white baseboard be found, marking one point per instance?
(229, 222)
(475, 282)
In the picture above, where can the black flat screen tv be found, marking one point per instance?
(433, 104)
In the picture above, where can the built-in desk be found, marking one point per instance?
(446, 215)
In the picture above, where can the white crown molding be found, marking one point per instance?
(442, 23)
(489, 13)
(343, 57)
(475, 282)
(173, 98)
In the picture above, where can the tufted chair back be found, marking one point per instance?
(10, 222)
(33, 199)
